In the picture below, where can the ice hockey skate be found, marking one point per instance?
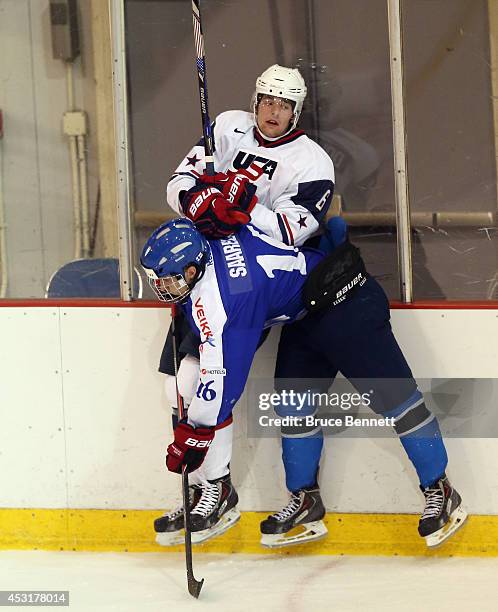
(299, 522)
(443, 513)
(215, 511)
(212, 513)
(169, 527)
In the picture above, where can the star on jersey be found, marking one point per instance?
(270, 167)
(193, 161)
(302, 221)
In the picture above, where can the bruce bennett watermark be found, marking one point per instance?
(347, 420)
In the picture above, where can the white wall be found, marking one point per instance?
(84, 423)
(36, 169)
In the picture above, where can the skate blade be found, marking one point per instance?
(171, 538)
(457, 519)
(315, 530)
(226, 521)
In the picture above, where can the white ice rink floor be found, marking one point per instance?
(156, 582)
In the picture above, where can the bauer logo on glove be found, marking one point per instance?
(189, 447)
(198, 443)
(214, 215)
(200, 199)
(236, 185)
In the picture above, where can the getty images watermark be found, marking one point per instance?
(297, 409)
(464, 407)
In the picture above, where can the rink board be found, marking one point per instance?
(85, 422)
(132, 531)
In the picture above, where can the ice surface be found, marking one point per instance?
(156, 582)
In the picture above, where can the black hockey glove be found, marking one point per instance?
(335, 278)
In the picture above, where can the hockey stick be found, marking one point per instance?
(202, 81)
(194, 586)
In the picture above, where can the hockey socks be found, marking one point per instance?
(421, 438)
(301, 458)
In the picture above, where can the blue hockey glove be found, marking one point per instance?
(336, 233)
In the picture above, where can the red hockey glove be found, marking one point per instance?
(235, 186)
(189, 447)
(213, 215)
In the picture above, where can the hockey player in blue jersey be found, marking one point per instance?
(230, 290)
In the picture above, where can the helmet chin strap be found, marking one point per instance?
(277, 137)
(199, 273)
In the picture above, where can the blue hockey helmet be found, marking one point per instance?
(171, 248)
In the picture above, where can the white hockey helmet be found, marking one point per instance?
(281, 82)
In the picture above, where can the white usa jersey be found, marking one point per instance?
(296, 187)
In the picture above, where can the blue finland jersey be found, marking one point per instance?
(251, 282)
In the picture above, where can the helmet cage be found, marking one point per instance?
(171, 289)
(169, 251)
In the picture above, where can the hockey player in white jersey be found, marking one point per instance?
(231, 289)
(268, 170)
(291, 175)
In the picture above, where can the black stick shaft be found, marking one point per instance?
(202, 81)
(194, 586)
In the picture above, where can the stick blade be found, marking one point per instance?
(194, 586)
